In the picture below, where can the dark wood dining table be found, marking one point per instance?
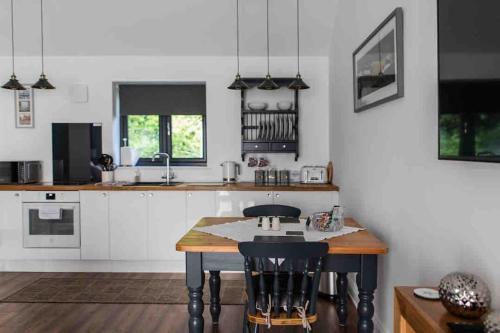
(353, 253)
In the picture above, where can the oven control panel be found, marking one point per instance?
(51, 196)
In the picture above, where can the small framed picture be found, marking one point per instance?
(25, 114)
(378, 65)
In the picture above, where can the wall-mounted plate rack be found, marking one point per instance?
(269, 131)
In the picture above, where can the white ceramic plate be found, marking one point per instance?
(426, 293)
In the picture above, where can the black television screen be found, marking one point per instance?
(469, 80)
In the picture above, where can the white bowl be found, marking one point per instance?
(284, 105)
(257, 106)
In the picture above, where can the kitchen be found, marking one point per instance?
(150, 161)
(126, 220)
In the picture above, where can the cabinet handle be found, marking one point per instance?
(142, 195)
(256, 146)
(269, 195)
(16, 195)
(277, 195)
(284, 146)
(104, 195)
(150, 195)
(190, 195)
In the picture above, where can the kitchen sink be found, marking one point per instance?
(153, 184)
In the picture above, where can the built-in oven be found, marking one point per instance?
(51, 220)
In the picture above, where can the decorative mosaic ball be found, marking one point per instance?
(465, 295)
(492, 322)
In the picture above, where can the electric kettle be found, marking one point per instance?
(230, 171)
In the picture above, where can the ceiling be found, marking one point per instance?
(165, 27)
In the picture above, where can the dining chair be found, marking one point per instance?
(282, 282)
(271, 210)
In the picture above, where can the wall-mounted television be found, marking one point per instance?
(469, 80)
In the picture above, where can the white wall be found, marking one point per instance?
(436, 216)
(223, 108)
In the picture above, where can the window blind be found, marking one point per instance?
(162, 99)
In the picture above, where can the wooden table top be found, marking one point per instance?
(424, 315)
(362, 242)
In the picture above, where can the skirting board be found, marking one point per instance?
(114, 266)
(353, 294)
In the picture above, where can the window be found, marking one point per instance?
(167, 118)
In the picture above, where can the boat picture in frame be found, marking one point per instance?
(378, 64)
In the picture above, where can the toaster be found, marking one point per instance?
(313, 175)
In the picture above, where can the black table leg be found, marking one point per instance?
(367, 283)
(215, 308)
(342, 298)
(195, 278)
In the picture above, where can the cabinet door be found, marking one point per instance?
(232, 203)
(11, 224)
(167, 224)
(199, 204)
(308, 202)
(128, 217)
(94, 212)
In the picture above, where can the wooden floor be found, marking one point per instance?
(33, 317)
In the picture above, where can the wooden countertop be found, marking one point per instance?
(244, 186)
(362, 242)
(413, 314)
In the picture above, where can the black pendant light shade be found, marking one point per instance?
(238, 83)
(298, 83)
(13, 84)
(268, 83)
(42, 82)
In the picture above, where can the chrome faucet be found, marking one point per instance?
(167, 159)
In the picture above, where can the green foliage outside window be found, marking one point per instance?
(187, 136)
(143, 134)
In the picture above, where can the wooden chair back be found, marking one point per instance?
(271, 210)
(300, 261)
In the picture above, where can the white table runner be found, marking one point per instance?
(245, 231)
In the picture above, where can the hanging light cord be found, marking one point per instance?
(298, 39)
(267, 37)
(238, 34)
(12, 32)
(41, 31)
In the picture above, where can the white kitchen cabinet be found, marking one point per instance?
(308, 202)
(232, 203)
(199, 204)
(11, 224)
(94, 208)
(128, 217)
(167, 224)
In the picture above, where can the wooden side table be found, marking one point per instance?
(416, 315)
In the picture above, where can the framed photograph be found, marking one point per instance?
(378, 65)
(25, 115)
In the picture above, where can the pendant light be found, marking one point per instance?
(42, 83)
(238, 83)
(13, 84)
(268, 83)
(298, 83)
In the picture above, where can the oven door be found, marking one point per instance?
(51, 225)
